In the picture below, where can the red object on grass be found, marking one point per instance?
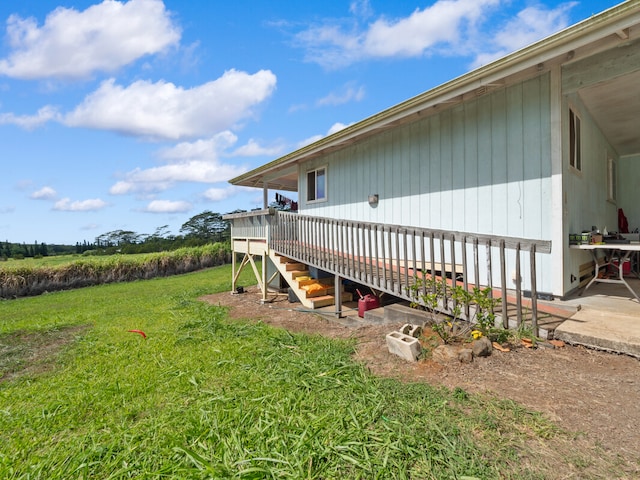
(138, 331)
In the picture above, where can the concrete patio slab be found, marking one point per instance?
(608, 318)
(603, 330)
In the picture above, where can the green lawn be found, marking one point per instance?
(203, 397)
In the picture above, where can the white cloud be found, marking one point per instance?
(347, 94)
(186, 162)
(254, 149)
(164, 110)
(336, 127)
(90, 205)
(191, 171)
(203, 149)
(74, 44)
(216, 194)
(361, 8)
(168, 206)
(423, 29)
(530, 25)
(444, 22)
(30, 122)
(45, 193)
(464, 28)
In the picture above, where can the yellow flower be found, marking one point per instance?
(476, 334)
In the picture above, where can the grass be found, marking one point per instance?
(203, 397)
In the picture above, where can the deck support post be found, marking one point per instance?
(265, 282)
(265, 195)
(337, 284)
(234, 279)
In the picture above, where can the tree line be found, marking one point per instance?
(201, 229)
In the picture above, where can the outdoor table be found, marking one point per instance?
(620, 252)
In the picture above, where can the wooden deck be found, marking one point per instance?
(391, 258)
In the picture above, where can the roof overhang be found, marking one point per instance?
(616, 26)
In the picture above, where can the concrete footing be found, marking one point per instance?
(405, 346)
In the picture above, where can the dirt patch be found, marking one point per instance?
(23, 353)
(592, 393)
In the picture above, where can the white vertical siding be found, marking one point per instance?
(515, 171)
(435, 167)
(482, 166)
(485, 163)
(498, 143)
(586, 191)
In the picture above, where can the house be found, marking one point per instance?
(481, 179)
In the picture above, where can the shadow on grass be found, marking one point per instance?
(28, 352)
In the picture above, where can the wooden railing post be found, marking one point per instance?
(534, 291)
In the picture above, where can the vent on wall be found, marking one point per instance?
(481, 90)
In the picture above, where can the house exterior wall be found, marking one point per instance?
(628, 181)
(586, 202)
(482, 166)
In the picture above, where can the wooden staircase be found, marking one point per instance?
(298, 276)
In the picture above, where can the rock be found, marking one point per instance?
(481, 347)
(465, 355)
(445, 354)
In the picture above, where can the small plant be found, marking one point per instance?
(460, 393)
(451, 331)
(427, 292)
(436, 296)
(485, 317)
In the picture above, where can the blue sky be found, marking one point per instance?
(134, 115)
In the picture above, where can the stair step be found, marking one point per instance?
(320, 293)
(294, 266)
(323, 281)
(322, 301)
(327, 300)
(299, 273)
(286, 260)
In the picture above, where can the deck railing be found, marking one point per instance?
(389, 258)
(251, 225)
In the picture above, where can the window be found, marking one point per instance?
(575, 153)
(317, 185)
(612, 180)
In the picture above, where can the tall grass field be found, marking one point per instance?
(206, 397)
(27, 277)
